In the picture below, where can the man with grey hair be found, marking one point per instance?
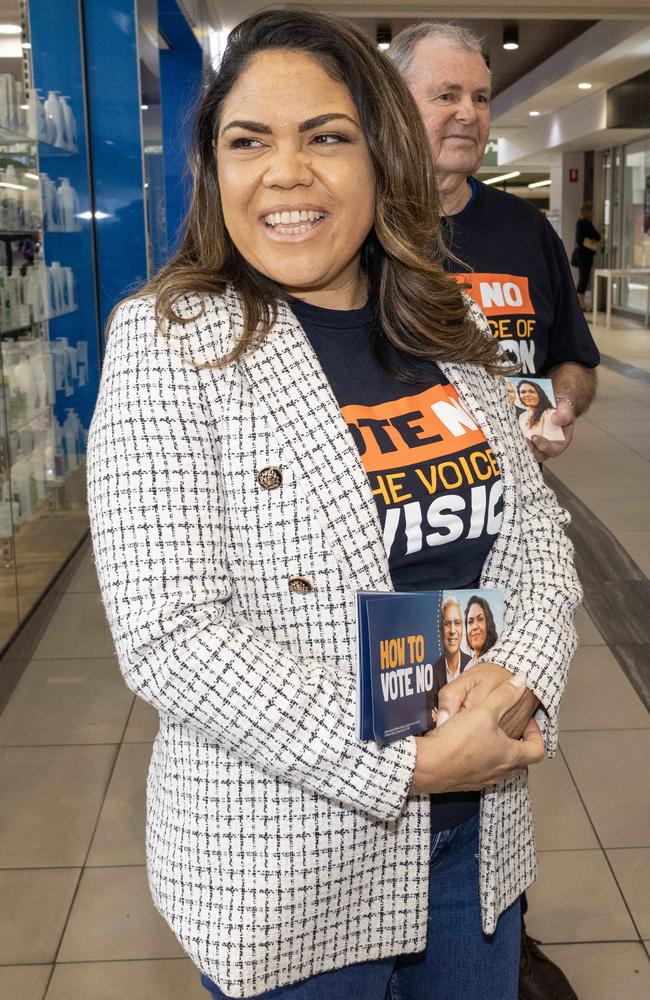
(517, 268)
(453, 660)
(520, 278)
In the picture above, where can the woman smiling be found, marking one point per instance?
(273, 407)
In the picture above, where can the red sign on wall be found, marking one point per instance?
(573, 175)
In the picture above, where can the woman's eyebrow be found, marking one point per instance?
(249, 126)
(319, 120)
(306, 126)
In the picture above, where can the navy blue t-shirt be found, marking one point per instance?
(519, 275)
(432, 473)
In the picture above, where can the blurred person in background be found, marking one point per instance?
(586, 248)
(520, 276)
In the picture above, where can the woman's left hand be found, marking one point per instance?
(474, 685)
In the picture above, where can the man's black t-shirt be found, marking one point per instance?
(521, 279)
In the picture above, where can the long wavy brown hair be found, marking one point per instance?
(419, 309)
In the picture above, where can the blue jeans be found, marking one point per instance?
(460, 962)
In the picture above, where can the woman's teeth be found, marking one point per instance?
(296, 221)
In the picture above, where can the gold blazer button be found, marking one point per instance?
(269, 478)
(300, 585)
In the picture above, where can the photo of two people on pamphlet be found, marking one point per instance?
(466, 635)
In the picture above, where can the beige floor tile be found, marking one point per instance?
(162, 979)
(588, 634)
(592, 442)
(78, 629)
(561, 822)
(51, 798)
(114, 918)
(600, 485)
(120, 835)
(584, 429)
(614, 404)
(23, 982)
(632, 871)
(611, 772)
(85, 577)
(35, 905)
(599, 695)
(637, 543)
(576, 898)
(620, 429)
(143, 723)
(633, 513)
(640, 444)
(606, 971)
(67, 701)
(577, 462)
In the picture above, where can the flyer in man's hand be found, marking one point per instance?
(534, 403)
(409, 645)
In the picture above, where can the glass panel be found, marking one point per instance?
(149, 41)
(635, 244)
(20, 217)
(48, 317)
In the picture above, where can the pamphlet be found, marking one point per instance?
(409, 645)
(534, 403)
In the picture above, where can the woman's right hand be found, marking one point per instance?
(470, 751)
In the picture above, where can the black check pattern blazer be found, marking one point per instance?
(278, 846)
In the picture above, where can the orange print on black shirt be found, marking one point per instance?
(499, 294)
(420, 428)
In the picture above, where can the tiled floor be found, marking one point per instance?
(76, 921)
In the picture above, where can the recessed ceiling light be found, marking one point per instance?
(502, 177)
(511, 37)
(10, 29)
(534, 114)
(144, 107)
(384, 36)
(585, 86)
(25, 45)
(540, 184)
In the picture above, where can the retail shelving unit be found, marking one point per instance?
(48, 350)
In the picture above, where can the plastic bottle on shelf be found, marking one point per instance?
(14, 196)
(39, 474)
(47, 285)
(57, 276)
(69, 288)
(69, 124)
(50, 204)
(6, 100)
(31, 206)
(23, 378)
(13, 285)
(60, 465)
(6, 522)
(68, 206)
(46, 129)
(38, 363)
(33, 294)
(82, 359)
(5, 315)
(20, 115)
(7, 207)
(71, 437)
(20, 481)
(54, 114)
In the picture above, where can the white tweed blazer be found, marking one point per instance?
(278, 845)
